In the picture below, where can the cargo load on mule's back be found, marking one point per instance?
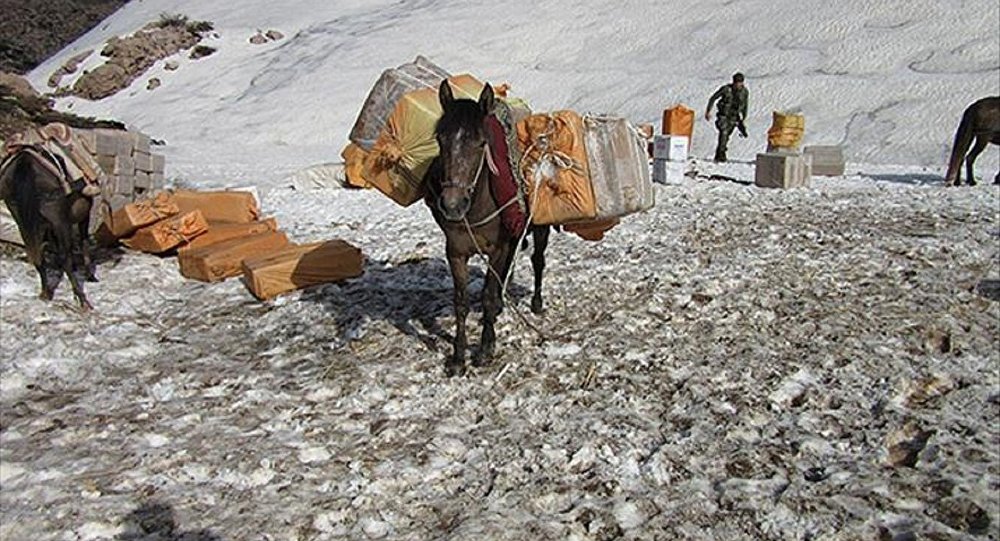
(395, 129)
(580, 170)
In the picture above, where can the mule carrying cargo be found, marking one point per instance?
(587, 171)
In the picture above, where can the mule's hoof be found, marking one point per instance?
(85, 307)
(536, 306)
(45, 295)
(451, 370)
(972, 183)
(92, 278)
(484, 358)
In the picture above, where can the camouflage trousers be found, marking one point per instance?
(725, 125)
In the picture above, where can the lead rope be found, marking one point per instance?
(502, 281)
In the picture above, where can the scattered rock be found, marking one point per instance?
(600, 524)
(130, 57)
(201, 51)
(69, 67)
(171, 65)
(816, 474)
(937, 341)
(274, 35)
(258, 39)
(314, 454)
(374, 528)
(582, 460)
(962, 515)
(924, 390)
(153, 84)
(905, 444)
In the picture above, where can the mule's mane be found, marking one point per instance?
(460, 114)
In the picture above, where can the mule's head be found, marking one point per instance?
(461, 136)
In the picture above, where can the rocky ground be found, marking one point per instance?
(34, 31)
(736, 364)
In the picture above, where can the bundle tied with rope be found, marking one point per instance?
(405, 148)
(133, 216)
(168, 234)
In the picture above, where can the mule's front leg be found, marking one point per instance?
(460, 276)
(491, 303)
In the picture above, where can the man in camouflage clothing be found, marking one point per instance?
(732, 112)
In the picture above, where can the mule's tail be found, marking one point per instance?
(20, 190)
(963, 140)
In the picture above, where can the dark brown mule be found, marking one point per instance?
(46, 217)
(463, 205)
(981, 121)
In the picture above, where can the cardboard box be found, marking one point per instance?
(224, 206)
(140, 141)
(159, 163)
(667, 172)
(225, 259)
(168, 234)
(827, 161)
(679, 120)
(122, 184)
(783, 170)
(116, 165)
(295, 267)
(219, 232)
(143, 180)
(143, 161)
(126, 218)
(672, 148)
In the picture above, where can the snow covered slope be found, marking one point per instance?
(887, 78)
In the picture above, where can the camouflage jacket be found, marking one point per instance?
(732, 102)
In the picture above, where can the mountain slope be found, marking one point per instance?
(887, 78)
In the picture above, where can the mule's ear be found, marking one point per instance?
(445, 95)
(486, 100)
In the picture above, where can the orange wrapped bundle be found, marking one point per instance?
(679, 120)
(167, 234)
(219, 232)
(131, 217)
(224, 259)
(555, 162)
(296, 267)
(225, 206)
(786, 131)
(406, 145)
(354, 165)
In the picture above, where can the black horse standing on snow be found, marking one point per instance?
(46, 216)
(463, 205)
(980, 122)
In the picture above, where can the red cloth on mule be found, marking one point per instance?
(502, 183)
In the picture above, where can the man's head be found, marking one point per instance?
(738, 80)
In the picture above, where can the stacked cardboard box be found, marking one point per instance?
(670, 154)
(827, 161)
(132, 170)
(783, 170)
(215, 233)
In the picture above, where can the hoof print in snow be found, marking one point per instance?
(153, 84)
(171, 65)
(274, 35)
(258, 39)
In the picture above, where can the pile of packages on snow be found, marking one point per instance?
(215, 234)
(219, 234)
(583, 172)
